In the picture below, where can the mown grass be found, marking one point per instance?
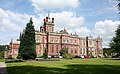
(2, 60)
(74, 66)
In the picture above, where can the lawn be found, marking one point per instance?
(2, 60)
(74, 66)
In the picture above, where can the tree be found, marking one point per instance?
(27, 49)
(2, 49)
(118, 6)
(108, 53)
(63, 51)
(115, 42)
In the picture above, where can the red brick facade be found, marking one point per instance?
(52, 42)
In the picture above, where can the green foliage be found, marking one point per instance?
(65, 54)
(27, 49)
(63, 51)
(45, 55)
(108, 53)
(10, 57)
(74, 66)
(115, 42)
(2, 54)
(13, 60)
(2, 60)
(2, 49)
(68, 56)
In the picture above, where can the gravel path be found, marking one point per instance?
(3, 69)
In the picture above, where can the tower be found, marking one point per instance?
(48, 24)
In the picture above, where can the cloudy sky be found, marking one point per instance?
(86, 17)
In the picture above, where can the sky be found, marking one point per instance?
(85, 17)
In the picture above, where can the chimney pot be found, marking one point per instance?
(46, 19)
(52, 20)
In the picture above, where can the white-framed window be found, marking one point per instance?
(71, 41)
(81, 42)
(81, 50)
(90, 42)
(16, 50)
(65, 40)
(75, 42)
(52, 40)
(50, 29)
(52, 47)
(45, 40)
(38, 40)
(57, 40)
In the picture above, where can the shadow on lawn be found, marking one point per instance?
(71, 69)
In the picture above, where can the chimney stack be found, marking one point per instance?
(46, 19)
(52, 20)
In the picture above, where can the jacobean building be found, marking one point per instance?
(47, 40)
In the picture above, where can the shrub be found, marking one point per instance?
(45, 55)
(14, 60)
(68, 56)
(71, 55)
(63, 51)
(10, 57)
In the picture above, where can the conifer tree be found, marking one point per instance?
(115, 43)
(27, 49)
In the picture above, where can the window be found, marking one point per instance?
(81, 50)
(63, 40)
(75, 42)
(38, 40)
(16, 50)
(67, 40)
(90, 42)
(71, 41)
(56, 48)
(50, 29)
(52, 39)
(81, 42)
(56, 39)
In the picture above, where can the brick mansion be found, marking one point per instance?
(52, 42)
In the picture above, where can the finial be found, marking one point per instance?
(48, 15)
(11, 40)
(30, 18)
(75, 32)
(64, 29)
